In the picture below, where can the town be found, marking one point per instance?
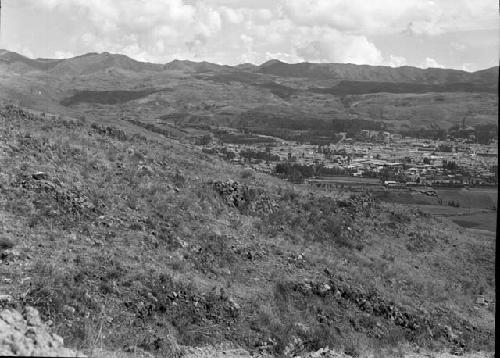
(374, 158)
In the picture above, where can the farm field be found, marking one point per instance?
(470, 198)
(476, 206)
(483, 221)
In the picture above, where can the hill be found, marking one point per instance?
(351, 72)
(126, 239)
(403, 98)
(20, 63)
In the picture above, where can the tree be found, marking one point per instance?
(450, 165)
(204, 140)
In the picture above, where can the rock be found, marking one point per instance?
(295, 346)
(481, 300)
(6, 244)
(11, 317)
(68, 309)
(223, 294)
(233, 304)
(28, 336)
(449, 332)
(324, 288)
(301, 328)
(32, 317)
(6, 299)
(40, 176)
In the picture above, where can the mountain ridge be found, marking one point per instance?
(93, 62)
(404, 97)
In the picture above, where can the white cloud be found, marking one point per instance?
(235, 31)
(392, 16)
(458, 46)
(282, 56)
(63, 54)
(231, 16)
(326, 45)
(140, 28)
(431, 63)
(469, 67)
(396, 61)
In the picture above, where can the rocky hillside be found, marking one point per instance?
(130, 241)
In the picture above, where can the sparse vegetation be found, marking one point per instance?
(127, 243)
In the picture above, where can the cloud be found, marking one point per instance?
(334, 46)
(458, 46)
(469, 67)
(431, 63)
(63, 54)
(139, 27)
(396, 61)
(393, 16)
(235, 31)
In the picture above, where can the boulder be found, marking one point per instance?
(26, 335)
(40, 176)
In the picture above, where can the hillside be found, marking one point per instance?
(404, 74)
(127, 240)
(402, 98)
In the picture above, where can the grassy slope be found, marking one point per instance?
(128, 233)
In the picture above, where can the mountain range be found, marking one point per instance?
(402, 97)
(94, 62)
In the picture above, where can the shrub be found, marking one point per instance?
(179, 180)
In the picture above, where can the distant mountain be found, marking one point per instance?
(193, 67)
(14, 59)
(351, 72)
(246, 67)
(95, 62)
(271, 94)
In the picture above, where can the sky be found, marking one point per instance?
(460, 34)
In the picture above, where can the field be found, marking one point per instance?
(477, 206)
(484, 221)
(470, 198)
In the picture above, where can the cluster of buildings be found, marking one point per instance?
(406, 161)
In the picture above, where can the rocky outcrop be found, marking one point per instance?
(26, 335)
(250, 200)
(69, 200)
(373, 304)
(109, 131)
